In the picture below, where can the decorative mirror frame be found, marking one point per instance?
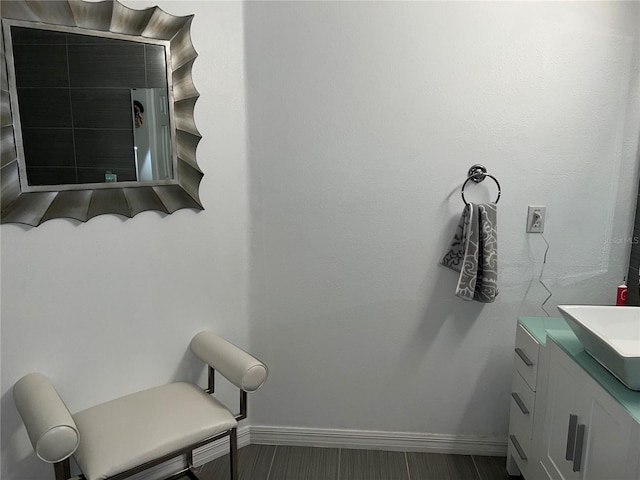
(34, 208)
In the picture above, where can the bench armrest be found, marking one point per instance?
(240, 368)
(50, 426)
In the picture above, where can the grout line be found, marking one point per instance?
(73, 135)
(476, 466)
(273, 457)
(144, 54)
(406, 462)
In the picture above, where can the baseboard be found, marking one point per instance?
(220, 447)
(201, 456)
(375, 440)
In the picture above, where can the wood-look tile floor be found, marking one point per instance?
(270, 462)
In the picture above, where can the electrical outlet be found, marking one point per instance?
(535, 218)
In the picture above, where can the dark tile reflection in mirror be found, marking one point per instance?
(43, 144)
(115, 153)
(75, 103)
(93, 175)
(79, 39)
(41, 65)
(32, 36)
(52, 175)
(45, 107)
(101, 108)
(155, 66)
(107, 66)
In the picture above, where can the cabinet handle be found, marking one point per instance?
(524, 357)
(571, 437)
(520, 403)
(521, 453)
(577, 460)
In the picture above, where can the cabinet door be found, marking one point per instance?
(587, 434)
(564, 412)
(612, 449)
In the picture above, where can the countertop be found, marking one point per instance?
(557, 329)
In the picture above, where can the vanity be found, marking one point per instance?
(569, 417)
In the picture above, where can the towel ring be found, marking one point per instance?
(478, 173)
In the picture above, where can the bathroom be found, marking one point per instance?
(336, 137)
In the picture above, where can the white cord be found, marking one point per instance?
(544, 261)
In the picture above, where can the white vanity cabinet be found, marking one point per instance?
(574, 428)
(587, 434)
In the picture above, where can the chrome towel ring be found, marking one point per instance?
(478, 173)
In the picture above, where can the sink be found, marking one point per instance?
(611, 335)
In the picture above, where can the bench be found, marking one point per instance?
(124, 436)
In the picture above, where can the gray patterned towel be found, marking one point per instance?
(474, 253)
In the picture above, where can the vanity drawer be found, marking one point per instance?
(519, 453)
(526, 358)
(521, 412)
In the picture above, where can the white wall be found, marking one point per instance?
(364, 118)
(108, 307)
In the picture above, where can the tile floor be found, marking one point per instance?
(270, 462)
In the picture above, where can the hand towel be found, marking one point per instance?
(474, 253)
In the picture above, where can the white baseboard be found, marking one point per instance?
(220, 447)
(375, 440)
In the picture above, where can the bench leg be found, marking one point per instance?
(233, 453)
(192, 475)
(191, 472)
(62, 469)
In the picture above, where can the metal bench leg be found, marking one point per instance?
(191, 472)
(233, 453)
(62, 469)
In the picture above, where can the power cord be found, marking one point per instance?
(544, 262)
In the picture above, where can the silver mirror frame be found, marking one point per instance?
(34, 208)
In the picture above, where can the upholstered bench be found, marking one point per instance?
(122, 437)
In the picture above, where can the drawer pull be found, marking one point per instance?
(516, 444)
(577, 459)
(524, 357)
(571, 437)
(520, 403)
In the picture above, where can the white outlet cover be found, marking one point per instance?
(531, 226)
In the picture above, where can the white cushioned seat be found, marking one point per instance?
(132, 430)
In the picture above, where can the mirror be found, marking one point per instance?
(98, 117)
(80, 108)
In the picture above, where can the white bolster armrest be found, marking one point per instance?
(240, 368)
(51, 429)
